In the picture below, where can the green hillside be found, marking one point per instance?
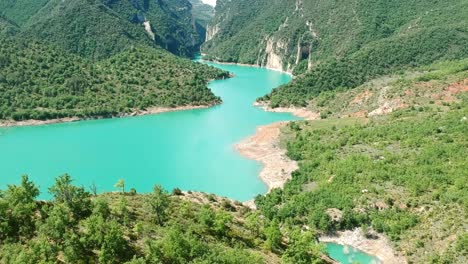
(336, 44)
(402, 173)
(20, 11)
(40, 82)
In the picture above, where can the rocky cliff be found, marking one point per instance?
(281, 44)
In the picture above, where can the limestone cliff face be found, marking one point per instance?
(211, 31)
(273, 59)
(236, 36)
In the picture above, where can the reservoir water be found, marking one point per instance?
(191, 150)
(349, 255)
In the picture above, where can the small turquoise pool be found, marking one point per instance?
(349, 255)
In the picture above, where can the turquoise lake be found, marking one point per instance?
(191, 150)
(349, 255)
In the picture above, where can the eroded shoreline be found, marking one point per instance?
(149, 111)
(264, 147)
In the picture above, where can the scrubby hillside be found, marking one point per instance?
(387, 156)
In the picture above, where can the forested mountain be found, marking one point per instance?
(100, 28)
(40, 82)
(94, 58)
(335, 43)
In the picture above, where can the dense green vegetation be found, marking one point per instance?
(401, 174)
(100, 28)
(38, 81)
(77, 227)
(354, 42)
(93, 58)
(20, 11)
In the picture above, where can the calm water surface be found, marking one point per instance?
(349, 255)
(191, 150)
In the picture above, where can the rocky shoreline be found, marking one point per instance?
(264, 147)
(378, 245)
(149, 111)
(298, 112)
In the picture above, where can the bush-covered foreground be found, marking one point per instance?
(77, 227)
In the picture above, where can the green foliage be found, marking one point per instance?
(17, 206)
(158, 202)
(75, 198)
(303, 249)
(402, 174)
(365, 40)
(40, 82)
(98, 29)
(273, 236)
(50, 232)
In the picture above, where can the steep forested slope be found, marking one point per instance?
(98, 58)
(100, 28)
(335, 43)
